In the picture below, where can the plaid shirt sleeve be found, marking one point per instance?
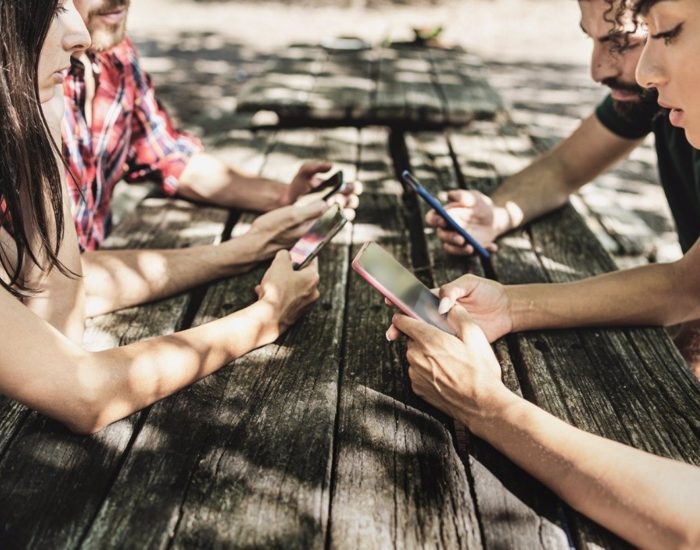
(159, 152)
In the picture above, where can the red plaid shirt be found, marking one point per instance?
(131, 138)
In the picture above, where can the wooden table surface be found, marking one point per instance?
(317, 441)
(403, 86)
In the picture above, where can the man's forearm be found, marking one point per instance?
(210, 180)
(115, 279)
(653, 295)
(547, 183)
(532, 192)
(648, 500)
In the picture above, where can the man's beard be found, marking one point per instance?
(632, 109)
(105, 36)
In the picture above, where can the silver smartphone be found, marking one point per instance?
(318, 236)
(401, 287)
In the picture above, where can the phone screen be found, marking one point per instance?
(399, 285)
(320, 233)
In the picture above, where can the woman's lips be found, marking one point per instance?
(676, 116)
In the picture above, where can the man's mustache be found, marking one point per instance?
(615, 84)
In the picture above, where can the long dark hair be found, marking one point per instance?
(30, 184)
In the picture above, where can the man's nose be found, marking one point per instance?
(77, 37)
(603, 64)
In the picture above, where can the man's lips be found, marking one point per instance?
(113, 17)
(623, 95)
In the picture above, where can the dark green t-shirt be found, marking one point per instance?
(679, 163)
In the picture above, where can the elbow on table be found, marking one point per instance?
(89, 408)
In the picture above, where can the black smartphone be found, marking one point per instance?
(325, 190)
(318, 236)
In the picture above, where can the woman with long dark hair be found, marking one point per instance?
(40, 267)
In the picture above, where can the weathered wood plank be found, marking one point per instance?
(285, 84)
(396, 86)
(606, 381)
(514, 509)
(264, 480)
(71, 475)
(344, 86)
(398, 481)
(464, 88)
(238, 458)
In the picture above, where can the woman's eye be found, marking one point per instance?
(669, 36)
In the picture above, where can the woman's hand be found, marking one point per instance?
(283, 227)
(458, 375)
(289, 292)
(486, 301)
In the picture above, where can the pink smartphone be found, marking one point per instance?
(318, 236)
(401, 287)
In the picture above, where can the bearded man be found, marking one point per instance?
(617, 126)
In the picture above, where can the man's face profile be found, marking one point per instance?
(106, 21)
(617, 47)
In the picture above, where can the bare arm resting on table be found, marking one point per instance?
(115, 279)
(651, 501)
(87, 391)
(208, 179)
(543, 186)
(652, 295)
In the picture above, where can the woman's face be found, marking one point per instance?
(67, 36)
(670, 62)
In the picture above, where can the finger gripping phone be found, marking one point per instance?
(435, 204)
(325, 190)
(396, 283)
(332, 185)
(319, 235)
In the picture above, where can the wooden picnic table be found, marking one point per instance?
(317, 441)
(400, 86)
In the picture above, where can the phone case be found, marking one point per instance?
(404, 308)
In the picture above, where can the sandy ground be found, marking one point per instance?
(535, 52)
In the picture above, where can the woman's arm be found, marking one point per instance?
(88, 391)
(652, 502)
(652, 295)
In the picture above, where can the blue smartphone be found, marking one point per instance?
(412, 182)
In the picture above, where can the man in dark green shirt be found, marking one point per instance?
(679, 163)
(609, 134)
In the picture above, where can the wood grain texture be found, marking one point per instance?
(395, 86)
(70, 474)
(629, 385)
(398, 481)
(514, 509)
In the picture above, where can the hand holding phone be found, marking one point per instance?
(318, 236)
(435, 204)
(401, 287)
(325, 190)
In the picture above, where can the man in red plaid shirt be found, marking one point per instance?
(115, 129)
